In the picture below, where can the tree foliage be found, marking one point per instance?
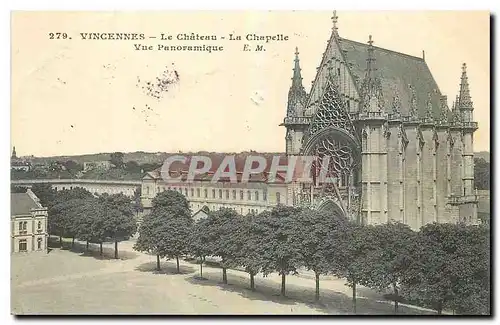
(45, 193)
(165, 231)
(451, 265)
(118, 222)
(117, 159)
(277, 249)
(316, 233)
(390, 257)
(222, 227)
(481, 174)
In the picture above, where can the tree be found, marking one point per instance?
(147, 167)
(390, 257)
(430, 277)
(137, 200)
(221, 227)
(61, 207)
(17, 189)
(64, 216)
(279, 254)
(119, 222)
(248, 239)
(165, 231)
(198, 239)
(451, 269)
(175, 241)
(481, 174)
(89, 222)
(348, 255)
(149, 240)
(45, 193)
(72, 166)
(117, 159)
(314, 233)
(132, 167)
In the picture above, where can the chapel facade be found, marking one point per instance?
(398, 151)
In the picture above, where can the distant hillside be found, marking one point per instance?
(140, 157)
(482, 154)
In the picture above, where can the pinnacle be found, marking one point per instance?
(464, 101)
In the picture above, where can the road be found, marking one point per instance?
(72, 282)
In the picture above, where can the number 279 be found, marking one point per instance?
(58, 36)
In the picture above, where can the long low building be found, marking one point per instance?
(93, 186)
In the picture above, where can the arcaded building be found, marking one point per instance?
(399, 152)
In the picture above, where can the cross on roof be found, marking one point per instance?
(335, 20)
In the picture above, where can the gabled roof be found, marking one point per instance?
(397, 71)
(21, 204)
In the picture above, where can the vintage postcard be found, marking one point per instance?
(250, 163)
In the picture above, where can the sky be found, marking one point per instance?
(86, 96)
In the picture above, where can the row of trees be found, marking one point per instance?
(441, 266)
(77, 214)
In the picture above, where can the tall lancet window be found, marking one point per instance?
(434, 174)
(448, 164)
(402, 171)
(420, 146)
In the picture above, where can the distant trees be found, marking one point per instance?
(132, 167)
(17, 189)
(116, 158)
(481, 174)
(72, 166)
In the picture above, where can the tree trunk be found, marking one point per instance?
(87, 246)
(158, 262)
(224, 275)
(354, 297)
(317, 286)
(201, 267)
(116, 249)
(252, 281)
(439, 308)
(60, 241)
(283, 278)
(396, 297)
(100, 248)
(73, 242)
(178, 268)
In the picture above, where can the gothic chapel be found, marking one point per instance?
(398, 152)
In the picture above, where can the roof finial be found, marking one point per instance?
(465, 101)
(297, 77)
(297, 93)
(423, 55)
(370, 58)
(14, 155)
(335, 19)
